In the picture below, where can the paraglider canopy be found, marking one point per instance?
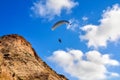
(57, 24)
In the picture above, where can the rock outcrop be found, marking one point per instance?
(19, 61)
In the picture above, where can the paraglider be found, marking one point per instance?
(60, 41)
(57, 24)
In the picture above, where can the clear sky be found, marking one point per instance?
(90, 48)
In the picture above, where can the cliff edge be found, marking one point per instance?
(19, 61)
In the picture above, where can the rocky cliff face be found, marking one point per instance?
(19, 61)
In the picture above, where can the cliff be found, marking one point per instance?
(19, 61)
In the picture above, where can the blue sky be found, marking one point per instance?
(90, 48)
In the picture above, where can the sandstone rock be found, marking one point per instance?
(19, 61)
